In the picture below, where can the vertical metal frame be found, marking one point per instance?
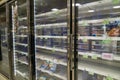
(31, 39)
(10, 40)
(0, 47)
(70, 40)
(75, 41)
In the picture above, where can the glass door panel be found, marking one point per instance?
(51, 39)
(4, 59)
(20, 40)
(98, 39)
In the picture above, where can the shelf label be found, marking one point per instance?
(45, 38)
(85, 56)
(107, 56)
(53, 50)
(84, 24)
(94, 57)
(115, 1)
(91, 73)
(107, 41)
(85, 40)
(55, 60)
(109, 78)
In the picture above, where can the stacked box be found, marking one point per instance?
(87, 76)
(83, 45)
(57, 43)
(101, 47)
(46, 31)
(47, 42)
(40, 31)
(39, 41)
(64, 31)
(21, 48)
(84, 31)
(97, 30)
(118, 48)
(56, 31)
(64, 43)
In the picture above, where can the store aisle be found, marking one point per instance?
(2, 77)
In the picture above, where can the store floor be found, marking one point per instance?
(2, 77)
(4, 64)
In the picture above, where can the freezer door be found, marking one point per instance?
(20, 40)
(51, 33)
(98, 39)
(4, 59)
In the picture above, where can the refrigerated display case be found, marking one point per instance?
(51, 33)
(20, 40)
(98, 37)
(4, 59)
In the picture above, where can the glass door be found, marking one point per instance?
(51, 39)
(4, 59)
(98, 40)
(20, 40)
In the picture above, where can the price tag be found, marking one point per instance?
(55, 61)
(85, 40)
(53, 50)
(109, 78)
(107, 56)
(116, 1)
(107, 41)
(106, 21)
(41, 37)
(91, 73)
(45, 37)
(84, 24)
(94, 57)
(85, 56)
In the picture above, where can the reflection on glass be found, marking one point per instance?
(20, 40)
(51, 39)
(99, 39)
(4, 60)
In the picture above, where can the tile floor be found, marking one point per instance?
(2, 77)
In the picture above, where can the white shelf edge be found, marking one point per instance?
(98, 38)
(52, 74)
(21, 36)
(54, 25)
(21, 61)
(89, 54)
(52, 60)
(99, 70)
(49, 48)
(63, 37)
(79, 23)
(21, 52)
(21, 74)
(115, 57)
(21, 44)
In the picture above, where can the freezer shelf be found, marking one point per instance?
(23, 75)
(99, 38)
(22, 44)
(21, 52)
(58, 37)
(92, 54)
(21, 61)
(100, 69)
(53, 49)
(52, 59)
(54, 74)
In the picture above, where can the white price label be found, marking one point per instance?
(107, 56)
(55, 60)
